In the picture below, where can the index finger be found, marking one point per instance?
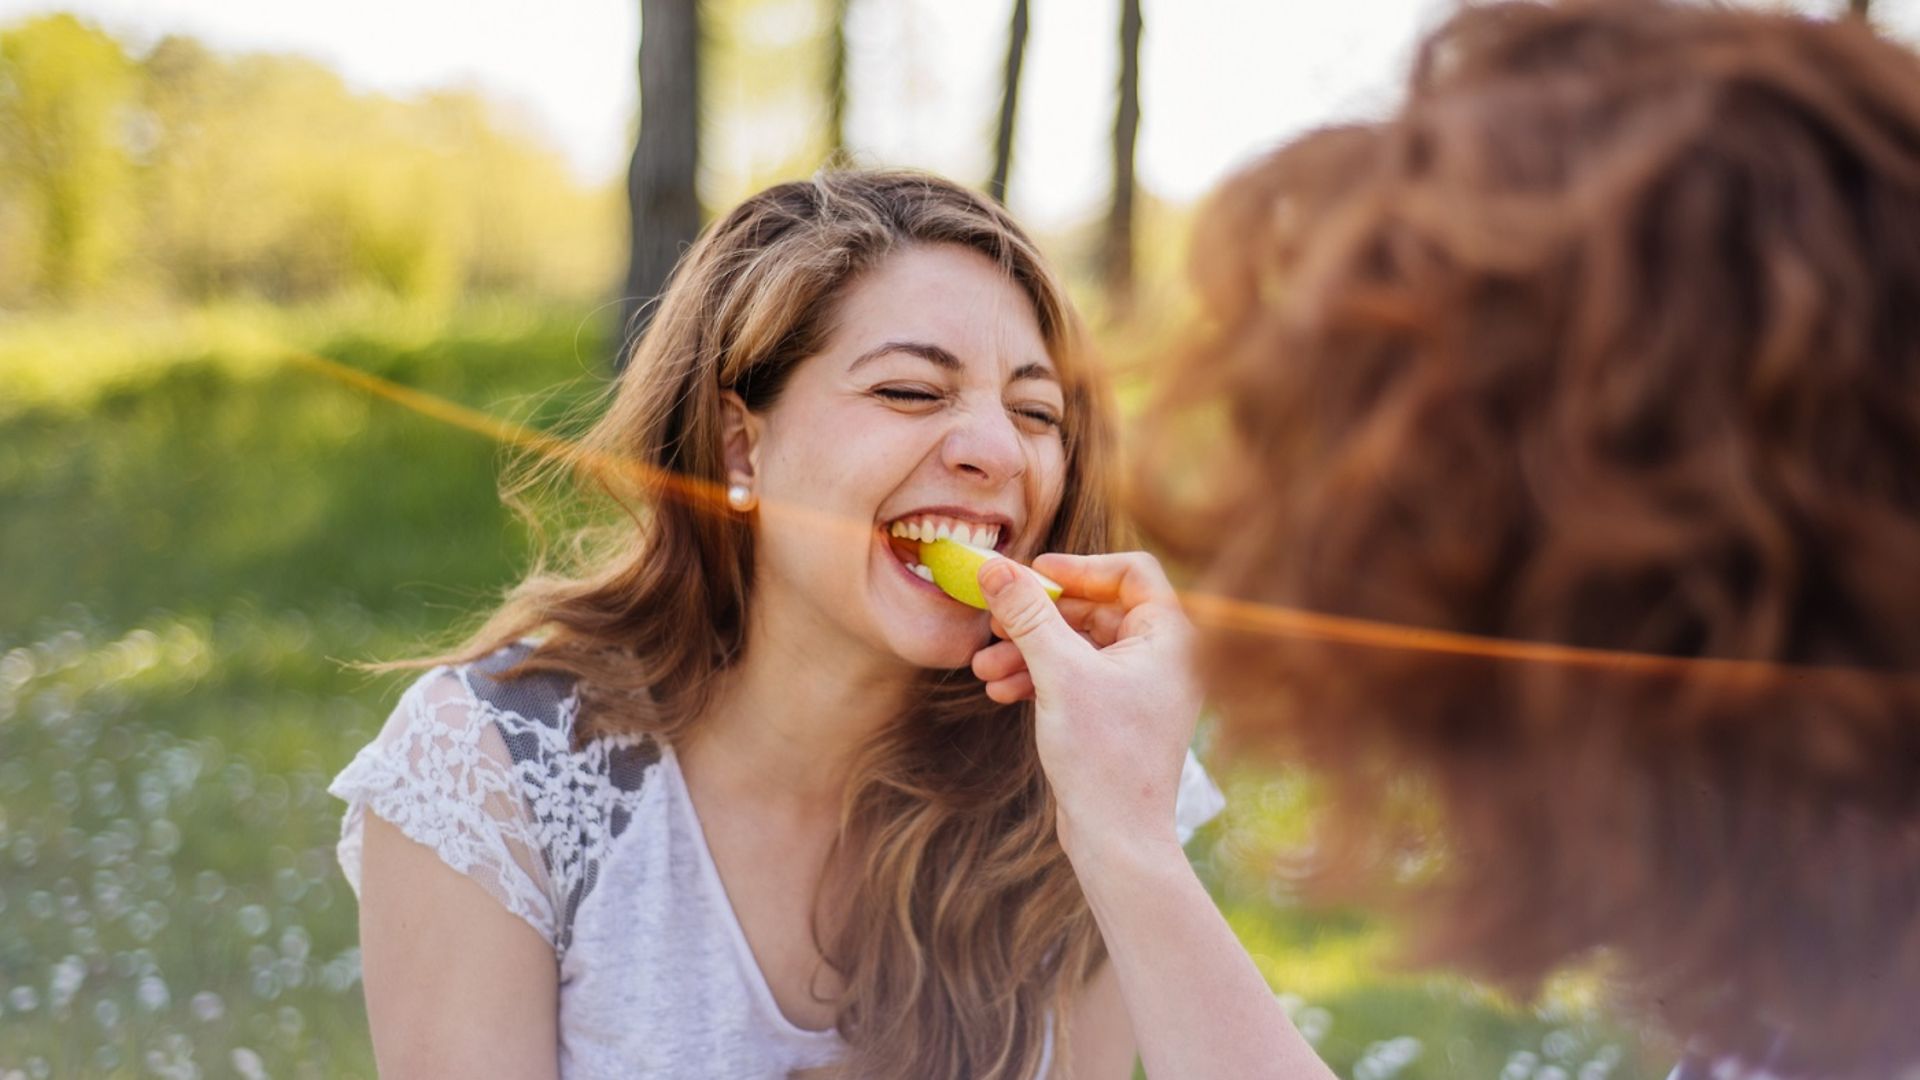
(1128, 578)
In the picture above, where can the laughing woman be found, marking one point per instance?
(722, 796)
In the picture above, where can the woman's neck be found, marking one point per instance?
(785, 721)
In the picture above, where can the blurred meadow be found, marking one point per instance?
(197, 534)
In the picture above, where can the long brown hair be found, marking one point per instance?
(1608, 337)
(962, 930)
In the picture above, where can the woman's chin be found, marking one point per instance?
(929, 630)
(944, 648)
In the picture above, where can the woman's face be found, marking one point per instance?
(934, 402)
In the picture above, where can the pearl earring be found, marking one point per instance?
(740, 497)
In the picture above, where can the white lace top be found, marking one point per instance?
(600, 851)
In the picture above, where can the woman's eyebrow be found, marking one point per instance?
(936, 355)
(921, 349)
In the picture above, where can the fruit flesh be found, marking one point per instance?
(956, 570)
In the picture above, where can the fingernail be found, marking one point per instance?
(996, 576)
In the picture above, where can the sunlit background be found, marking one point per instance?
(195, 532)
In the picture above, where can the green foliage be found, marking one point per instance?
(220, 473)
(196, 538)
(190, 175)
(64, 90)
(765, 69)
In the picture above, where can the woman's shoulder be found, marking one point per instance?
(481, 764)
(574, 787)
(487, 690)
(535, 712)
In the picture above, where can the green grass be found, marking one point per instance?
(196, 535)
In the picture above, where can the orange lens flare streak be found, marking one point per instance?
(1206, 609)
(692, 491)
(1244, 616)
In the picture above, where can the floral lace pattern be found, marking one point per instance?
(482, 772)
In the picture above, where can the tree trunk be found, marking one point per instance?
(1859, 7)
(837, 82)
(1009, 102)
(1117, 253)
(661, 199)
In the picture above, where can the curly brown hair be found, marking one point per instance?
(1608, 337)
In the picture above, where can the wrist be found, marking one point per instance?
(1118, 858)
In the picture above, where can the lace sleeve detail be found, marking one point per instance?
(1198, 801)
(441, 772)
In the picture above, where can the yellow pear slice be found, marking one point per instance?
(956, 569)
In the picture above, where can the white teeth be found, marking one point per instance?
(928, 529)
(921, 571)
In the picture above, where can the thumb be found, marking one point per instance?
(1023, 609)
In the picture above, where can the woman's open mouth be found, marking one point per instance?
(904, 536)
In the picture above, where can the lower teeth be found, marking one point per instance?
(920, 571)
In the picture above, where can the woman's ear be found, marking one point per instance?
(740, 433)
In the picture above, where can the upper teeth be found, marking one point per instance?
(930, 527)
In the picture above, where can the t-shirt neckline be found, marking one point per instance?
(758, 986)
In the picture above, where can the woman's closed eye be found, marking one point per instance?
(1039, 414)
(905, 393)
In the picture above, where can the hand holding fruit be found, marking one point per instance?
(1108, 669)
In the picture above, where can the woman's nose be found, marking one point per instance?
(984, 443)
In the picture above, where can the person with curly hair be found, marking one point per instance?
(1564, 514)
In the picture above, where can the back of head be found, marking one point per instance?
(1610, 338)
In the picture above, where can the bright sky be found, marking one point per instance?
(1221, 79)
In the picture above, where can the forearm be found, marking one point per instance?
(1198, 1006)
